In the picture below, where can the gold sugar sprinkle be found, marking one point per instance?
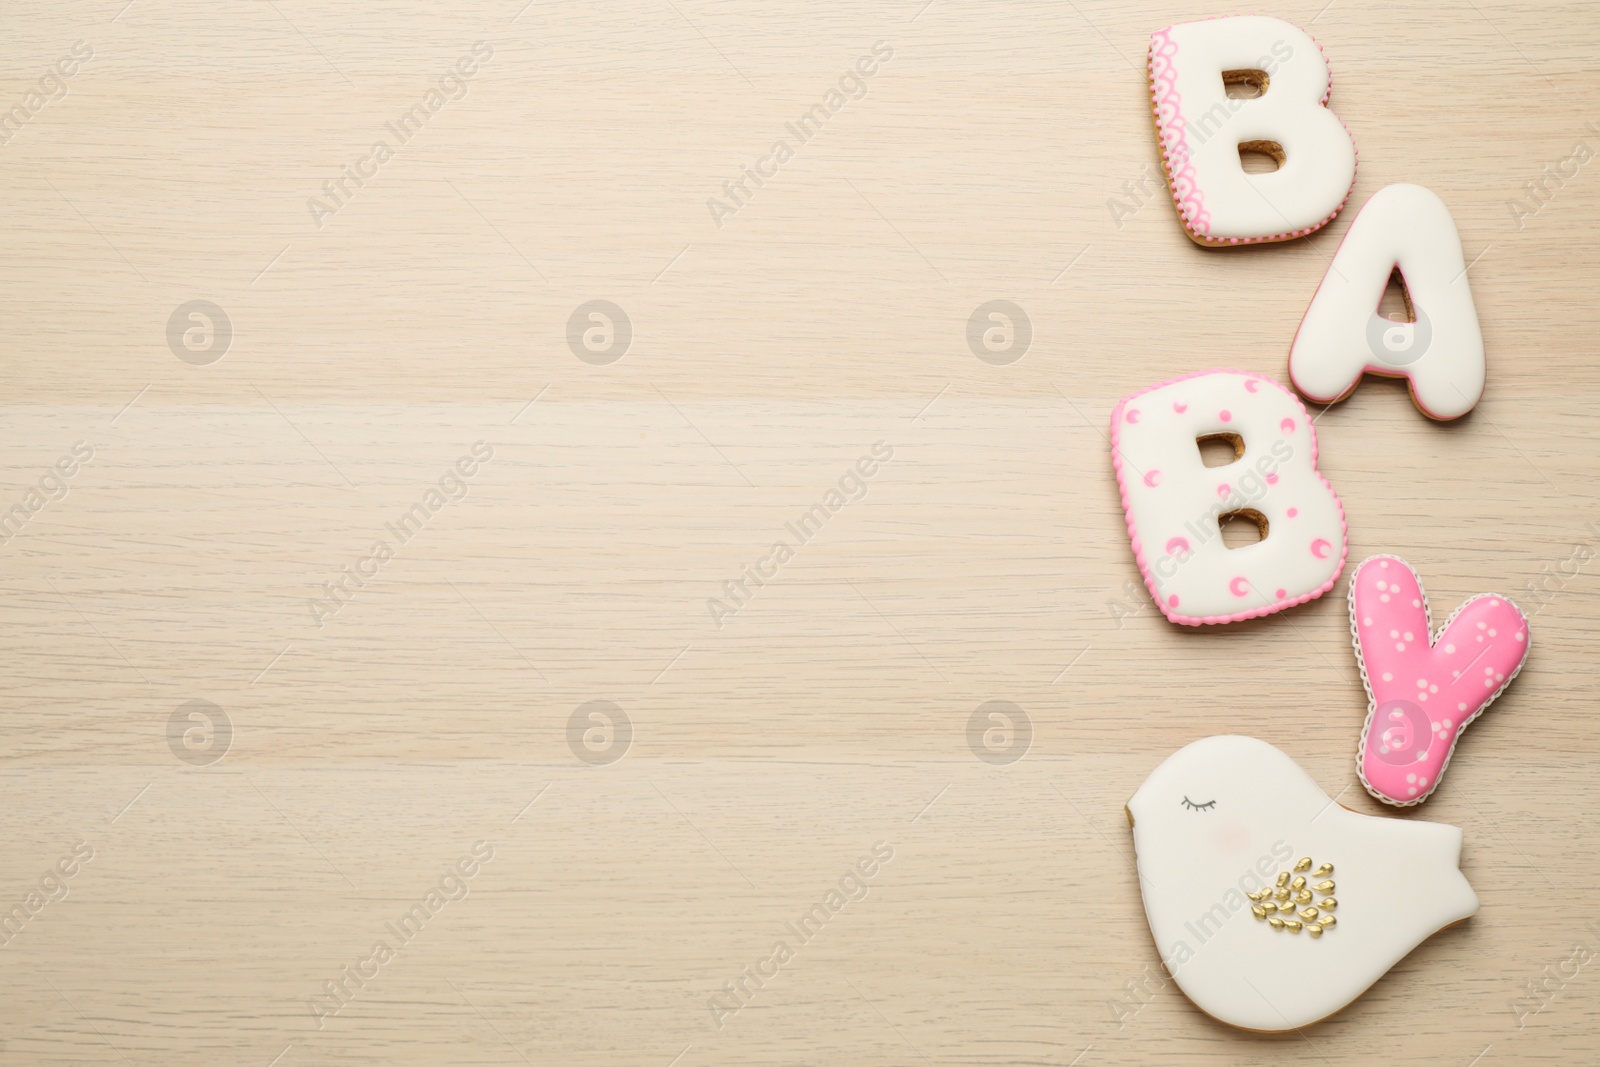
(1277, 904)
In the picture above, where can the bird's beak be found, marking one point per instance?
(1135, 805)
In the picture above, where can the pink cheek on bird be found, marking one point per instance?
(1230, 837)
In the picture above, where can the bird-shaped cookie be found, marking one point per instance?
(1271, 905)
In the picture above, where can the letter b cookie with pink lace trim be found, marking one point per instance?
(1202, 129)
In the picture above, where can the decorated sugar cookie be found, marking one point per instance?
(1271, 905)
(1175, 504)
(1202, 129)
(1423, 689)
(1405, 228)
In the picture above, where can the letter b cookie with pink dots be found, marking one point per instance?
(1176, 504)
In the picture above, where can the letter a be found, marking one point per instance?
(1342, 336)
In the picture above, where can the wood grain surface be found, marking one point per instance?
(356, 744)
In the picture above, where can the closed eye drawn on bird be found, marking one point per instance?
(1192, 806)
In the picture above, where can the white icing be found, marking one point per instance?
(1403, 226)
(1173, 499)
(1397, 883)
(1206, 128)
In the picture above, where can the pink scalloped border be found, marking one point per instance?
(1170, 129)
(1169, 133)
(1138, 545)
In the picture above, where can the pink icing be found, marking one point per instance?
(1167, 103)
(1143, 560)
(1422, 692)
(1168, 106)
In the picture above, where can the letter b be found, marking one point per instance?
(1202, 129)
